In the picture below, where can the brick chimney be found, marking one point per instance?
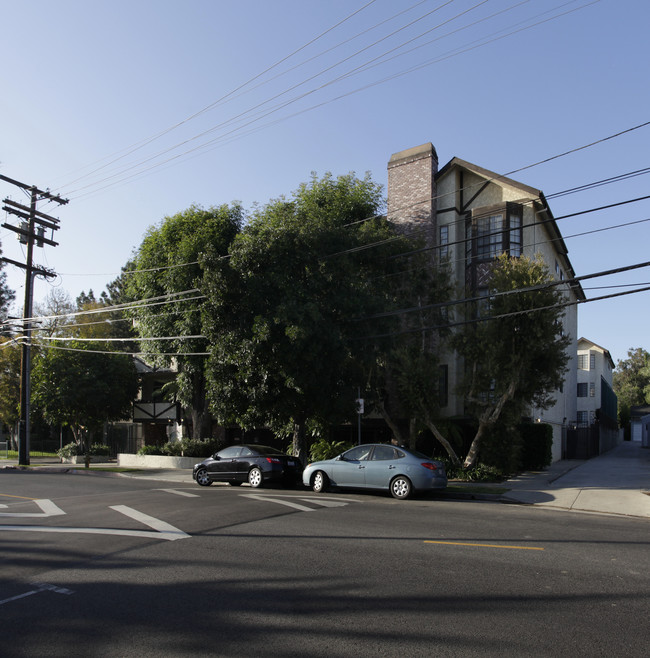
(412, 191)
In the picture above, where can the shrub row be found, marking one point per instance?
(185, 448)
(73, 449)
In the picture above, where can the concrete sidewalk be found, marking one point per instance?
(617, 482)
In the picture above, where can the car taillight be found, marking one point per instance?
(429, 465)
(273, 460)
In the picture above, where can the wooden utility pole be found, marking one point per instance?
(32, 230)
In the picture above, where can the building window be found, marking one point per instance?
(443, 241)
(586, 361)
(583, 418)
(491, 232)
(489, 237)
(582, 390)
(592, 390)
(514, 224)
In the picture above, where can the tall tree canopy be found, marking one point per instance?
(284, 310)
(169, 275)
(404, 383)
(632, 382)
(516, 356)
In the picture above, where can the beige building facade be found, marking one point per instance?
(468, 215)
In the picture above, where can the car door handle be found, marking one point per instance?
(361, 466)
(391, 466)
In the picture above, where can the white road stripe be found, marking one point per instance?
(42, 587)
(161, 530)
(161, 526)
(180, 493)
(268, 499)
(323, 502)
(144, 534)
(47, 506)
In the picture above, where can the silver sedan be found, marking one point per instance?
(377, 466)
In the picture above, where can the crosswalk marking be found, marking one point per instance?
(48, 508)
(279, 501)
(324, 502)
(161, 526)
(178, 492)
(160, 529)
(287, 501)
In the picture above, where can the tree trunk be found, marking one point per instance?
(201, 424)
(443, 441)
(488, 417)
(472, 454)
(300, 448)
(412, 433)
(201, 418)
(394, 428)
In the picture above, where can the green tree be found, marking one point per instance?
(517, 356)
(404, 384)
(631, 382)
(284, 309)
(77, 387)
(7, 296)
(10, 355)
(169, 272)
(117, 321)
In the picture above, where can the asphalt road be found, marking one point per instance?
(109, 566)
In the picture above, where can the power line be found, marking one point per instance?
(141, 144)
(543, 286)
(284, 104)
(459, 323)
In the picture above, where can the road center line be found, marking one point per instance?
(460, 543)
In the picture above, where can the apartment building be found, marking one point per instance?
(469, 216)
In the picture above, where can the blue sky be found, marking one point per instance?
(247, 97)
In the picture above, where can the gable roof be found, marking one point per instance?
(608, 356)
(545, 213)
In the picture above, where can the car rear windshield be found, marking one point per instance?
(419, 455)
(266, 450)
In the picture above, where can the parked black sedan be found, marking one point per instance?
(254, 464)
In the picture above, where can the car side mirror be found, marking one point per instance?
(216, 457)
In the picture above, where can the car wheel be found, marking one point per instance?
(401, 487)
(319, 482)
(255, 477)
(203, 478)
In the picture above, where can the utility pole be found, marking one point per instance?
(31, 231)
